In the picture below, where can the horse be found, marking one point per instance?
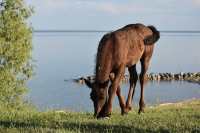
(116, 51)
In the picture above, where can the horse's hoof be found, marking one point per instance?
(106, 115)
(125, 111)
(141, 111)
(129, 108)
(104, 118)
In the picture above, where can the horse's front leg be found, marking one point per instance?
(113, 90)
(119, 95)
(122, 104)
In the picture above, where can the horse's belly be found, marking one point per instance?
(132, 59)
(135, 54)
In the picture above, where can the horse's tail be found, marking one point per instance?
(152, 38)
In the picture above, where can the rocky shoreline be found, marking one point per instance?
(182, 76)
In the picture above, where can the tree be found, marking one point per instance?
(15, 51)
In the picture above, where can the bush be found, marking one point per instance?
(15, 51)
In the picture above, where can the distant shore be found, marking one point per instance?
(193, 77)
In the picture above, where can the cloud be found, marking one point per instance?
(86, 5)
(119, 8)
(54, 4)
(93, 7)
(196, 2)
(81, 13)
(48, 5)
(114, 8)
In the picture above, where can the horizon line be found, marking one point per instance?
(103, 31)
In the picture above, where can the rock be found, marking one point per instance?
(150, 77)
(181, 73)
(172, 76)
(80, 80)
(158, 77)
(192, 77)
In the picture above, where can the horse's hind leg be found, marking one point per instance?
(144, 67)
(133, 80)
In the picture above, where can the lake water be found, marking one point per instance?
(65, 56)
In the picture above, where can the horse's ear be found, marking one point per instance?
(89, 83)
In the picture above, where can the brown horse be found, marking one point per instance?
(116, 51)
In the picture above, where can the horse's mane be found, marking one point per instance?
(100, 48)
(153, 38)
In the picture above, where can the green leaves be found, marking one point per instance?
(15, 51)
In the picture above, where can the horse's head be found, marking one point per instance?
(98, 95)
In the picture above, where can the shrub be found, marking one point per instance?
(15, 51)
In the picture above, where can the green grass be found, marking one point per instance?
(180, 118)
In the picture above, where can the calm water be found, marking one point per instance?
(64, 56)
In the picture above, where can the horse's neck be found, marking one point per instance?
(102, 76)
(104, 63)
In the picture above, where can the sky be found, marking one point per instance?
(113, 14)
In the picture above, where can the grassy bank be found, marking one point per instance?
(180, 117)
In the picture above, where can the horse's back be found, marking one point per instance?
(129, 43)
(126, 45)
